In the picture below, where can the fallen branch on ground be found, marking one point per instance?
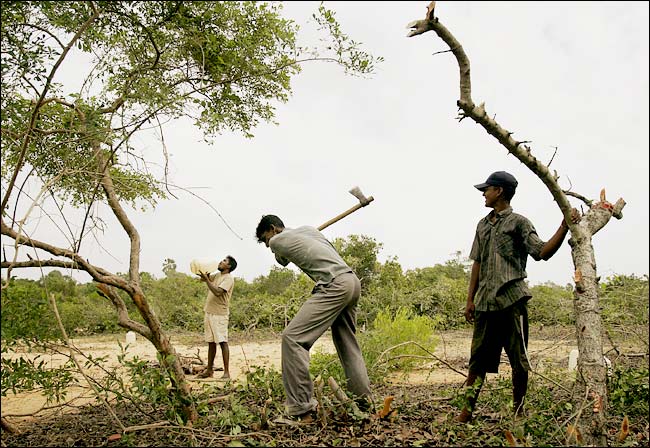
(418, 345)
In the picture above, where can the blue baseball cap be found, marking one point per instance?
(498, 179)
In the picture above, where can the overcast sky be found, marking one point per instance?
(571, 75)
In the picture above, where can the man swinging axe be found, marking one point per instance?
(333, 303)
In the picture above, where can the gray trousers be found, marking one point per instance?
(332, 305)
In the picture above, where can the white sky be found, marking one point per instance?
(572, 75)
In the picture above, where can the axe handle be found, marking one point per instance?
(345, 213)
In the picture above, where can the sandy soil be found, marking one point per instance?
(242, 357)
(452, 353)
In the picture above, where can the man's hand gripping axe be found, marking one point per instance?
(363, 201)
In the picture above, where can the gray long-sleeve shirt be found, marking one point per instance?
(308, 249)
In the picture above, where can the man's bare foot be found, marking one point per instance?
(207, 373)
(225, 377)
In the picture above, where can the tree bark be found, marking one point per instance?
(106, 281)
(591, 390)
(170, 360)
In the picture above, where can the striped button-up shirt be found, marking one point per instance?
(502, 249)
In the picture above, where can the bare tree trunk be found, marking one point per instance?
(591, 395)
(154, 333)
(106, 281)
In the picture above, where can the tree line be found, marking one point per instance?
(268, 302)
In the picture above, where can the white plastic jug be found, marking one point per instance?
(573, 359)
(204, 265)
(130, 337)
(573, 362)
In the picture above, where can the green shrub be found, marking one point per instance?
(24, 374)
(628, 391)
(177, 300)
(26, 312)
(551, 305)
(151, 385)
(389, 331)
(326, 365)
(624, 300)
(381, 347)
(88, 315)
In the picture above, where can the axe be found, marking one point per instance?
(363, 201)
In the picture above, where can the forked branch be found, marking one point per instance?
(517, 148)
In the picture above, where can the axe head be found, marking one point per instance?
(356, 192)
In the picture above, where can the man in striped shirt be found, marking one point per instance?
(498, 295)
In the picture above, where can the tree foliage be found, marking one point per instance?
(224, 64)
(360, 253)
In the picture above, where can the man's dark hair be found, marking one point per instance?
(232, 262)
(508, 193)
(265, 224)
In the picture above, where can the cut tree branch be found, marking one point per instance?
(122, 313)
(97, 273)
(479, 115)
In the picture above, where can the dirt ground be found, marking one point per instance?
(423, 401)
(452, 351)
